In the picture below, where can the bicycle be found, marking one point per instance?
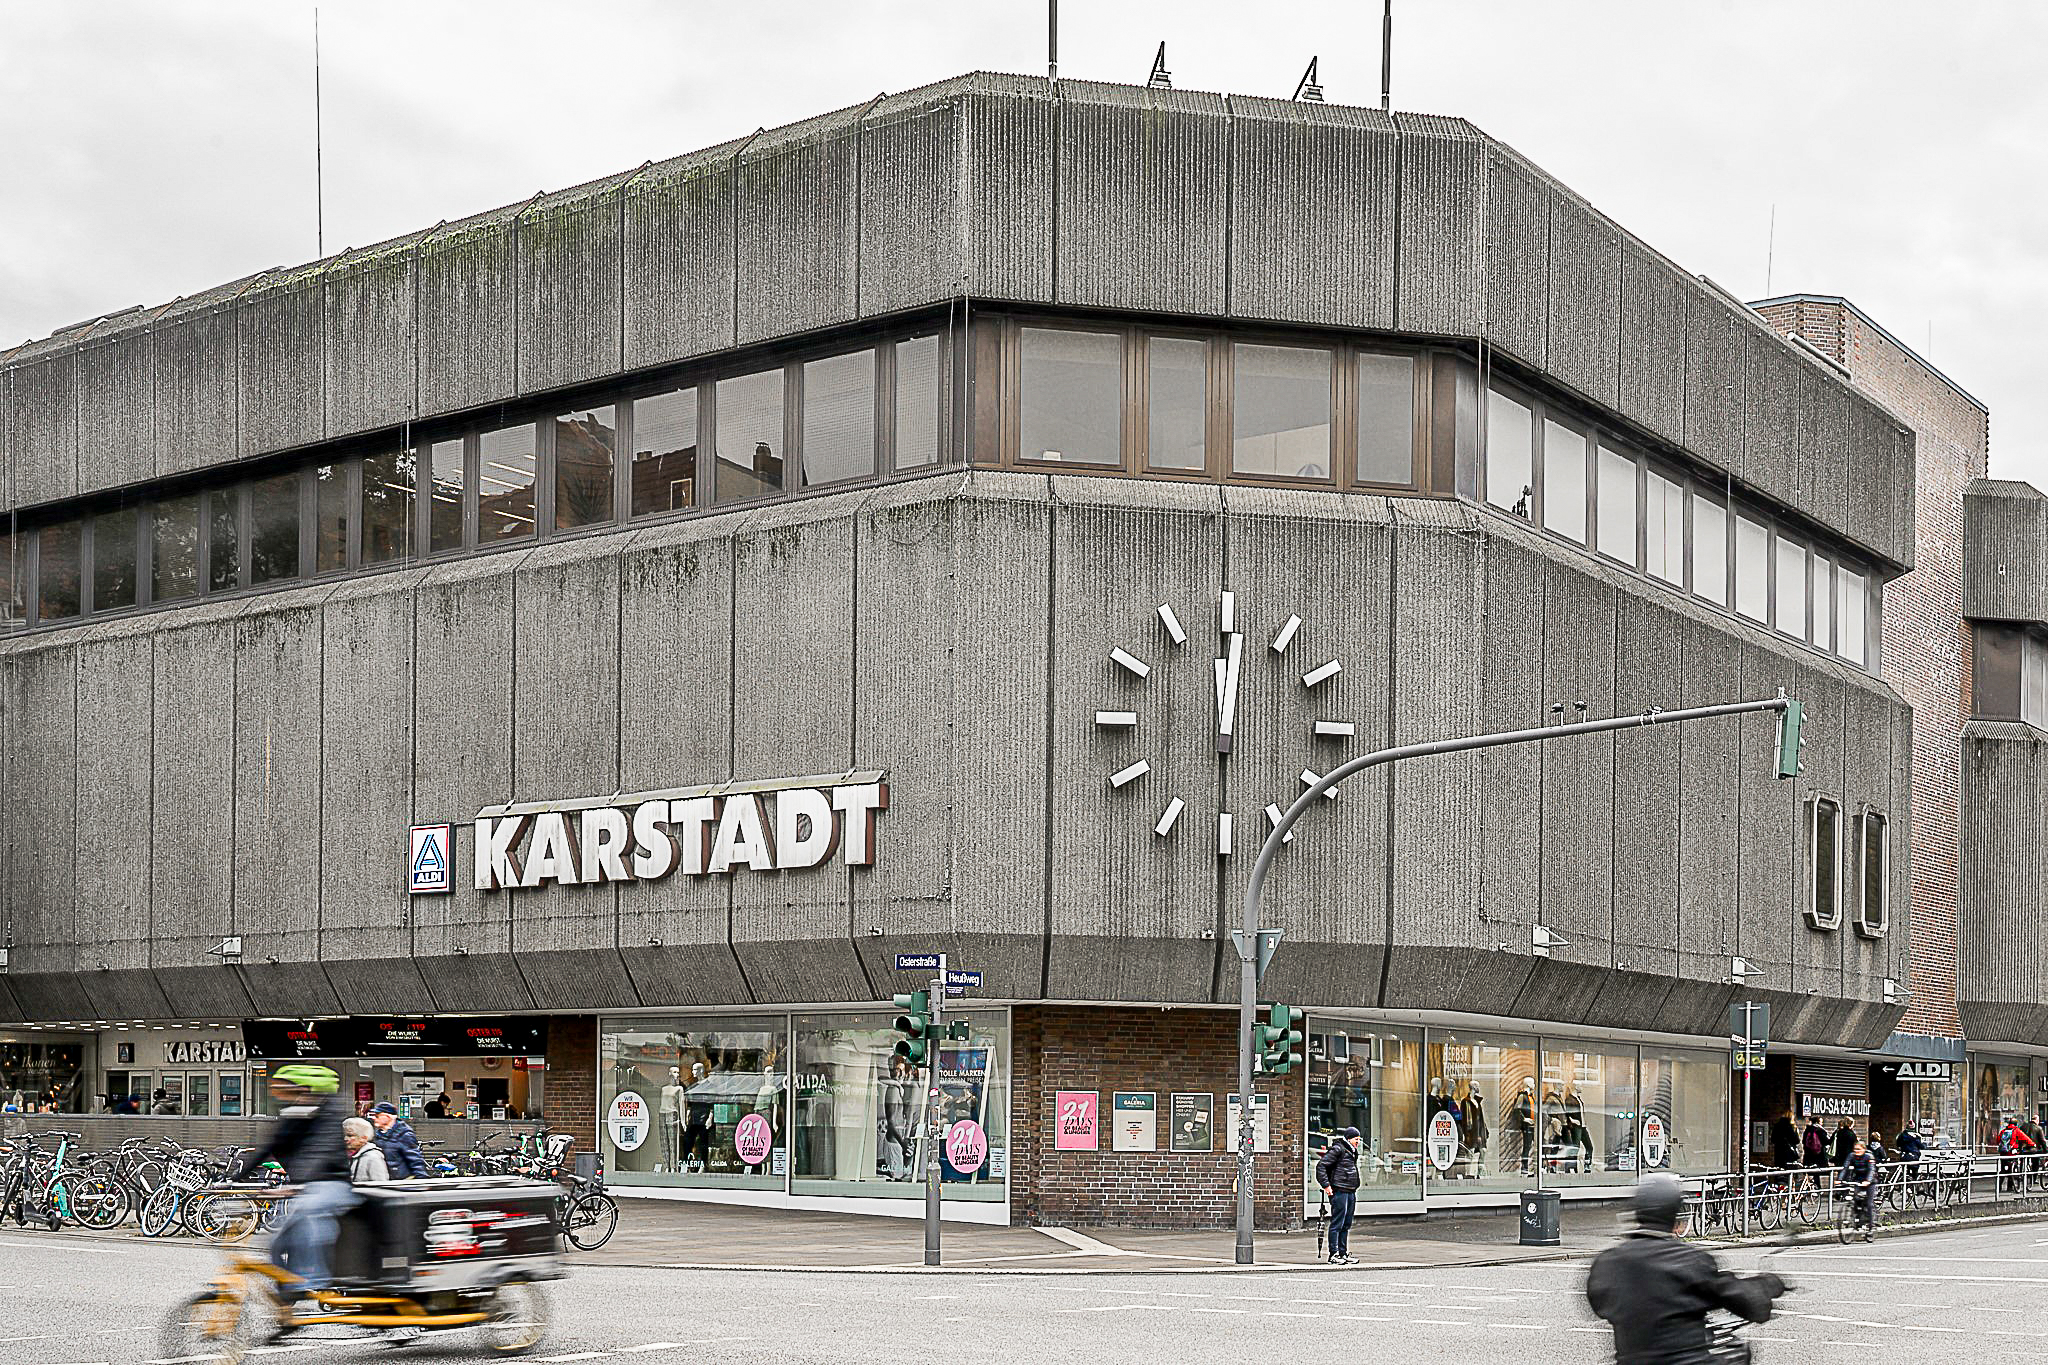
(20, 1192)
(1849, 1219)
(585, 1213)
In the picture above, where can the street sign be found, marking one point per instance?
(1751, 1059)
(917, 962)
(1749, 1022)
(961, 977)
(1923, 1071)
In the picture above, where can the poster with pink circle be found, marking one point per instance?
(966, 1146)
(1075, 1115)
(752, 1139)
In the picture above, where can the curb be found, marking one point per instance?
(1819, 1236)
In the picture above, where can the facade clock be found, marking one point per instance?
(1226, 669)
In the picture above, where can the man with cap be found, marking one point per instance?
(398, 1142)
(1337, 1173)
(1656, 1291)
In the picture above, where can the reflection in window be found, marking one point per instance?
(224, 540)
(1824, 861)
(839, 419)
(58, 578)
(113, 560)
(504, 484)
(1386, 419)
(1687, 1091)
(1792, 587)
(444, 514)
(1873, 913)
(1849, 612)
(1280, 412)
(388, 482)
(1615, 494)
(13, 580)
(1510, 434)
(749, 441)
(712, 1098)
(1823, 602)
(1368, 1077)
(1564, 481)
(664, 452)
(1589, 1115)
(1664, 529)
(274, 528)
(1752, 569)
(917, 402)
(1487, 1086)
(1177, 403)
(1070, 408)
(586, 456)
(331, 509)
(1709, 551)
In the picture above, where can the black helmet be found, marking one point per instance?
(1659, 1199)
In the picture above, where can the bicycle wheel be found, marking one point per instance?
(210, 1326)
(1845, 1221)
(225, 1217)
(96, 1201)
(1770, 1211)
(1805, 1204)
(590, 1221)
(159, 1215)
(518, 1318)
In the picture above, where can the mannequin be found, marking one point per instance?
(672, 1120)
(1474, 1132)
(1522, 1126)
(697, 1121)
(1576, 1135)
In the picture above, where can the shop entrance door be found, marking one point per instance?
(122, 1084)
(199, 1094)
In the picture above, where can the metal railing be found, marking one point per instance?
(1940, 1184)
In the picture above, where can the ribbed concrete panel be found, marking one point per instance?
(7, 463)
(792, 626)
(192, 867)
(1511, 697)
(116, 411)
(966, 875)
(798, 234)
(1649, 662)
(911, 211)
(372, 358)
(1881, 506)
(195, 387)
(1767, 873)
(1715, 340)
(1869, 728)
(1134, 914)
(676, 236)
(569, 262)
(1440, 256)
(51, 995)
(1144, 198)
(42, 430)
(1007, 179)
(1312, 213)
(1775, 386)
(1836, 419)
(2005, 551)
(1653, 340)
(1518, 204)
(281, 364)
(1326, 558)
(1816, 956)
(2001, 981)
(1585, 300)
(1898, 942)
(1710, 764)
(675, 693)
(41, 703)
(277, 778)
(114, 816)
(468, 324)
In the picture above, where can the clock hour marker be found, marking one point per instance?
(1134, 666)
(1223, 834)
(1229, 612)
(1168, 816)
(1335, 729)
(1321, 675)
(1130, 774)
(1116, 719)
(1273, 818)
(1309, 778)
(1286, 635)
(1172, 624)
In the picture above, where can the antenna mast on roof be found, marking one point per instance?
(1161, 78)
(319, 176)
(1387, 57)
(1307, 89)
(1052, 40)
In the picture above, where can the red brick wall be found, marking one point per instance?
(569, 1103)
(1109, 1049)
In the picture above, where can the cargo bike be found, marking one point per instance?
(428, 1255)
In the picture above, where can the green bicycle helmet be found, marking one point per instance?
(318, 1079)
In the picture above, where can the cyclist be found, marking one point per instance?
(307, 1142)
(2013, 1143)
(1656, 1291)
(1859, 1175)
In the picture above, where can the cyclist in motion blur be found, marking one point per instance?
(1656, 1291)
(307, 1141)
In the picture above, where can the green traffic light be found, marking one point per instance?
(1789, 740)
(912, 1050)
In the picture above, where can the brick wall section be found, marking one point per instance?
(569, 1104)
(1926, 645)
(1078, 1048)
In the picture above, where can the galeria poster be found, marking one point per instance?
(1134, 1121)
(1076, 1114)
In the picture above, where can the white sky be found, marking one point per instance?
(149, 150)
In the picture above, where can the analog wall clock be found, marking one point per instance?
(1171, 647)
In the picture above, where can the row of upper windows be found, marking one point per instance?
(1550, 468)
(1847, 865)
(809, 424)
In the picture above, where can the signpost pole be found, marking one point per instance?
(933, 1137)
(1748, 1056)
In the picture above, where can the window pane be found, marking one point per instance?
(1564, 481)
(664, 452)
(504, 484)
(749, 441)
(1827, 862)
(917, 402)
(1510, 481)
(1070, 408)
(1709, 551)
(445, 515)
(1177, 403)
(388, 482)
(274, 529)
(113, 560)
(1752, 569)
(1617, 493)
(586, 454)
(1664, 528)
(1386, 419)
(224, 540)
(1823, 603)
(1688, 1090)
(1792, 588)
(330, 498)
(1487, 1084)
(1280, 412)
(1589, 1114)
(693, 1084)
(1849, 615)
(13, 580)
(1368, 1077)
(57, 571)
(839, 419)
(1873, 905)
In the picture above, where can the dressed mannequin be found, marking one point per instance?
(697, 1120)
(672, 1120)
(1577, 1136)
(1475, 1133)
(1522, 1127)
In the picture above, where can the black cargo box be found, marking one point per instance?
(453, 1233)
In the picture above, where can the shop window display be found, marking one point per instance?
(699, 1082)
(1370, 1078)
(1687, 1090)
(1488, 1087)
(2004, 1087)
(1589, 1116)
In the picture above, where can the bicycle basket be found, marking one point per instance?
(184, 1175)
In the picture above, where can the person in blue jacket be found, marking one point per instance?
(398, 1142)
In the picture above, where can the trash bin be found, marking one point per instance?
(1540, 1217)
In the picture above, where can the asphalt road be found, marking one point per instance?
(68, 1301)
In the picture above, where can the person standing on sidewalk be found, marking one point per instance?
(1337, 1173)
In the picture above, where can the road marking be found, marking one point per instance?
(1529, 1326)
(1280, 1313)
(1081, 1241)
(574, 1355)
(69, 1246)
(1901, 1275)
(1440, 1322)
(661, 1345)
(938, 1296)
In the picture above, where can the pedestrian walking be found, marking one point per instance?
(1845, 1143)
(1784, 1141)
(1337, 1174)
(400, 1145)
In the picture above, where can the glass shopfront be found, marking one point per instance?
(1589, 1115)
(1686, 1090)
(1368, 1077)
(38, 1077)
(700, 1080)
(1487, 1084)
(2001, 1087)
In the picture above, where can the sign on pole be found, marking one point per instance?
(917, 962)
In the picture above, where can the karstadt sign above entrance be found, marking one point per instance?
(777, 825)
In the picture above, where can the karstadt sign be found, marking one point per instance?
(777, 825)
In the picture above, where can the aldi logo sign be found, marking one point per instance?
(429, 867)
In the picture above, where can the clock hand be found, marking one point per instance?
(1226, 693)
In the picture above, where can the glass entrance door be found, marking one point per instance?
(199, 1094)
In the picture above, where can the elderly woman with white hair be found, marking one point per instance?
(365, 1161)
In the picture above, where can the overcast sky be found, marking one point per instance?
(149, 150)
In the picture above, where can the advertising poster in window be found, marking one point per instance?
(1193, 1117)
(1075, 1116)
(965, 1074)
(1134, 1121)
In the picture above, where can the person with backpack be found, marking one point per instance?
(2013, 1143)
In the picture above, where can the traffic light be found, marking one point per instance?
(915, 1024)
(1790, 742)
(1279, 1040)
(959, 1031)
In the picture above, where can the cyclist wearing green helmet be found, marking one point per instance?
(307, 1142)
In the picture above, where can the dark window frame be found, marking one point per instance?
(1866, 817)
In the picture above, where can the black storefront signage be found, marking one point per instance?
(372, 1036)
(1834, 1106)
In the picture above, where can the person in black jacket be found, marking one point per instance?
(306, 1140)
(1337, 1173)
(1784, 1142)
(1859, 1174)
(1656, 1291)
(398, 1142)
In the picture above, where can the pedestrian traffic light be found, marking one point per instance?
(1279, 1041)
(1790, 741)
(959, 1031)
(915, 1024)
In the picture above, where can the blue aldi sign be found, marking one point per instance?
(429, 867)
